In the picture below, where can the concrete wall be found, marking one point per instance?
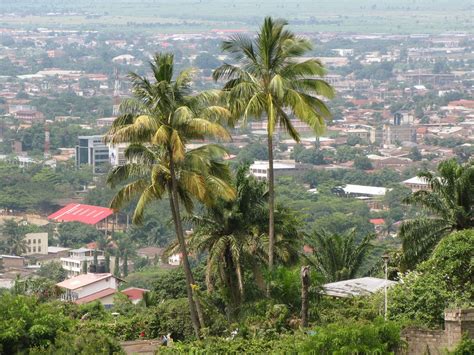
(457, 322)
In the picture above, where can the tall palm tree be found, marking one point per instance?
(158, 122)
(338, 256)
(271, 79)
(14, 237)
(231, 234)
(450, 207)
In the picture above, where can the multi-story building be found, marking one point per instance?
(92, 150)
(37, 243)
(73, 264)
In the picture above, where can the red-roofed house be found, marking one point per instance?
(378, 224)
(135, 294)
(90, 287)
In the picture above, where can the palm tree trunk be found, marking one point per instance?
(257, 274)
(271, 208)
(240, 282)
(182, 244)
(304, 295)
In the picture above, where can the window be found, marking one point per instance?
(34, 249)
(39, 249)
(34, 241)
(29, 241)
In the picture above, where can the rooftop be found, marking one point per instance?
(356, 287)
(82, 280)
(366, 190)
(135, 293)
(54, 250)
(76, 212)
(416, 180)
(96, 296)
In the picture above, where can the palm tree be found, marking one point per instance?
(449, 203)
(338, 256)
(158, 122)
(270, 79)
(14, 237)
(231, 234)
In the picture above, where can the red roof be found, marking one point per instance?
(76, 212)
(96, 296)
(377, 221)
(134, 293)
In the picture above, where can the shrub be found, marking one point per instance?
(25, 322)
(171, 316)
(342, 338)
(85, 342)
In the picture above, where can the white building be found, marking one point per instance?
(416, 184)
(37, 243)
(175, 259)
(74, 262)
(90, 287)
(260, 168)
(361, 190)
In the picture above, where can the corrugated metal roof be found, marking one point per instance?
(76, 212)
(356, 287)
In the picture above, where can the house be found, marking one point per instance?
(175, 259)
(12, 261)
(135, 294)
(73, 263)
(37, 243)
(150, 252)
(378, 224)
(90, 287)
(416, 184)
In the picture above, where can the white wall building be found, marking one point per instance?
(260, 168)
(90, 287)
(74, 262)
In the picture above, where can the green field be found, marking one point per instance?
(388, 16)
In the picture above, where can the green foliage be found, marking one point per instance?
(171, 284)
(75, 234)
(13, 235)
(338, 257)
(341, 338)
(52, 270)
(444, 280)
(356, 338)
(453, 261)
(172, 316)
(25, 323)
(449, 203)
(465, 347)
(83, 342)
(420, 298)
(362, 162)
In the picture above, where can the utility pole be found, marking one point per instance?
(385, 258)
